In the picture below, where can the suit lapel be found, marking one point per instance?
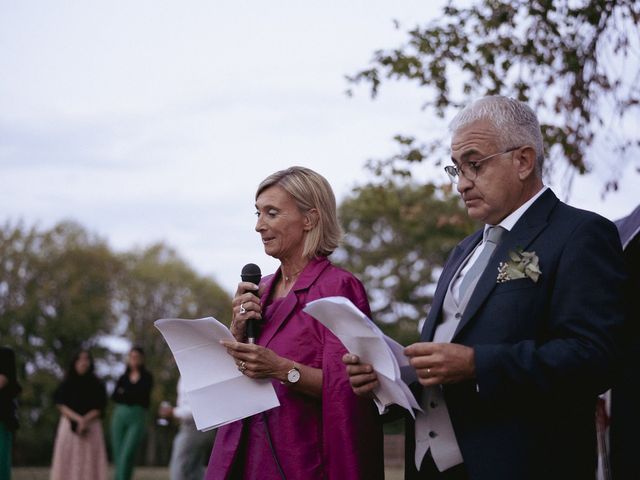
(446, 278)
(279, 317)
(526, 229)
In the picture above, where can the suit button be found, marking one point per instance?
(433, 434)
(433, 404)
(458, 315)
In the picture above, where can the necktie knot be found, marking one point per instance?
(494, 234)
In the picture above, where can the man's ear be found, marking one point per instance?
(311, 219)
(526, 161)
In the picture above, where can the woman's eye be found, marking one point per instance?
(272, 213)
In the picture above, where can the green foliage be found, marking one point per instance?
(63, 289)
(398, 237)
(55, 294)
(155, 283)
(576, 62)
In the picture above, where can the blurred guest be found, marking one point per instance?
(190, 447)
(131, 395)
(79, 451)
(9, 390)
(321, 428)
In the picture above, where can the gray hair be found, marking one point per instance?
(514, 121)
(310, 190)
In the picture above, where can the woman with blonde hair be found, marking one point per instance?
(321, 428)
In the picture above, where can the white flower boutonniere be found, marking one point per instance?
(520, 265)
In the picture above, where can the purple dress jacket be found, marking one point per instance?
(336, 437)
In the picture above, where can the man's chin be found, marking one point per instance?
(476, 214)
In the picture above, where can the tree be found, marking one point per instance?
(55, 297)
(398, 237)
(156, 283)
(576, 62)
(63, 289)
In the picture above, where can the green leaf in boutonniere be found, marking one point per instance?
(521, 264)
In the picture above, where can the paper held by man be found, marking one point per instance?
(218, 392)
(362, 337)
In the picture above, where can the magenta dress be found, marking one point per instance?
(336, 437)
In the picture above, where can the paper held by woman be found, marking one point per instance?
(218, 392)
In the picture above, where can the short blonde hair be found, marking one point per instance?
(310, 190)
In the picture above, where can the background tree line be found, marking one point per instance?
(576, 63)
(63, 289)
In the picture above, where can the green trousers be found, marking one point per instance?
(127, 430)
(6, 439)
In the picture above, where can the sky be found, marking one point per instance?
(151, 121)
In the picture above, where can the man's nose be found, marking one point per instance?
(463, 184)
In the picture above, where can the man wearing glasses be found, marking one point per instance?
(521, 335)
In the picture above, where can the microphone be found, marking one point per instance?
(251, 273)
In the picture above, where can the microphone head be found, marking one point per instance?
(251, 273)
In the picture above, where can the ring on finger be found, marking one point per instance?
(242, 309)
(428, 371)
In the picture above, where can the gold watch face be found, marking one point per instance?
(293, 375)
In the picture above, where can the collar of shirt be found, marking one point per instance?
(510, 220)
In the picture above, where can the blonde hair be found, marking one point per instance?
(310, 190)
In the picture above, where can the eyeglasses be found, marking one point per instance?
(470, 169)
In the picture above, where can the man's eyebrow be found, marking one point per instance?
(465, 155)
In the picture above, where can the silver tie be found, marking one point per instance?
(493, 237)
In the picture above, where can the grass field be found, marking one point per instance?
(146, 473)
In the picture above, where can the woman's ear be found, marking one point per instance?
(311, 219)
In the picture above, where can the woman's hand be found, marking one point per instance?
(246, 305)
(83, 426)
(256, 361)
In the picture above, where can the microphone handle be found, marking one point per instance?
(252, 327)
(251, 330)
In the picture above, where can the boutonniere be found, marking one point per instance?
(521, 264)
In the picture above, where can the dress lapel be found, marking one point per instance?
(524, 232)
(279, 317)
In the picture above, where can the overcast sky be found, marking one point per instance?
(155, 121)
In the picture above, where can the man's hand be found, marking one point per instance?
(440, 363)
(361, 376)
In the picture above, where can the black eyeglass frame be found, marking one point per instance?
(454, 171)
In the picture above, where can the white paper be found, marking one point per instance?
(217, 391)
(362, 337)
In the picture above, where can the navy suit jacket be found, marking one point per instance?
(543, 350)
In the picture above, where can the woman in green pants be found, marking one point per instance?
(131, 396)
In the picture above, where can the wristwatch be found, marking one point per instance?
(293, 376)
